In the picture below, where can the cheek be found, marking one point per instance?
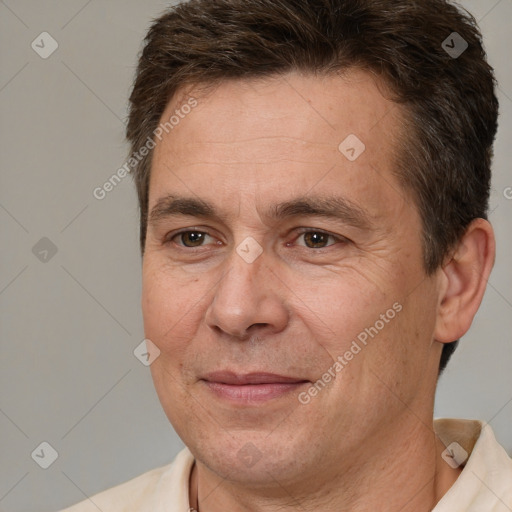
(170, 311)
(359, 319)
(338, 305)
(171, 303)
(398, 358)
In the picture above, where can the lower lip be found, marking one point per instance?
(252, 392)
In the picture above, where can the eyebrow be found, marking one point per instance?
(335, 207)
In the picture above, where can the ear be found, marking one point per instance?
(463, 279)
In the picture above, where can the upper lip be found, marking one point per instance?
(238, 379)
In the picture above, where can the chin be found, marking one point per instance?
(249, 458)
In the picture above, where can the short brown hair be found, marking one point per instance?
(448, 100)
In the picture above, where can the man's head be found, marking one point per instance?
(448, 104)
(314, 209)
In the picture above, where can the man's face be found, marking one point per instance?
(302, 247)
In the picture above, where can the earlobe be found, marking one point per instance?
(463, 281)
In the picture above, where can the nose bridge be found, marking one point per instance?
(241, 272)
(240, 289)
(246, 295)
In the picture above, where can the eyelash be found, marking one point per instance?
(170, 238)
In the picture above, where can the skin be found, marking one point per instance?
(366, 441)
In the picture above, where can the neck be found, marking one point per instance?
(403, 472)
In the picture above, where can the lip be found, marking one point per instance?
(239, 379)
(250, 387)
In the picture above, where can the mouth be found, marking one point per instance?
(251, 387)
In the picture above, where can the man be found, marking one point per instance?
(313, 180)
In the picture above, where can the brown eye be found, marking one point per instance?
(191, 238)
(316, 239)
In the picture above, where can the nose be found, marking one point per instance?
(249, 299)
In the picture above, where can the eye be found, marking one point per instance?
(190, 238)
(314, 239)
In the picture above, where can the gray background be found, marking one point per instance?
(69, 325)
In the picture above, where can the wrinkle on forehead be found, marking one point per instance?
(248, 142)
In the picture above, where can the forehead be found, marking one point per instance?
(283, 137)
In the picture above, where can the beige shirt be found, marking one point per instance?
(484, 485)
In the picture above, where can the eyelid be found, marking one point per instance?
(339, 238)
(169, 238)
